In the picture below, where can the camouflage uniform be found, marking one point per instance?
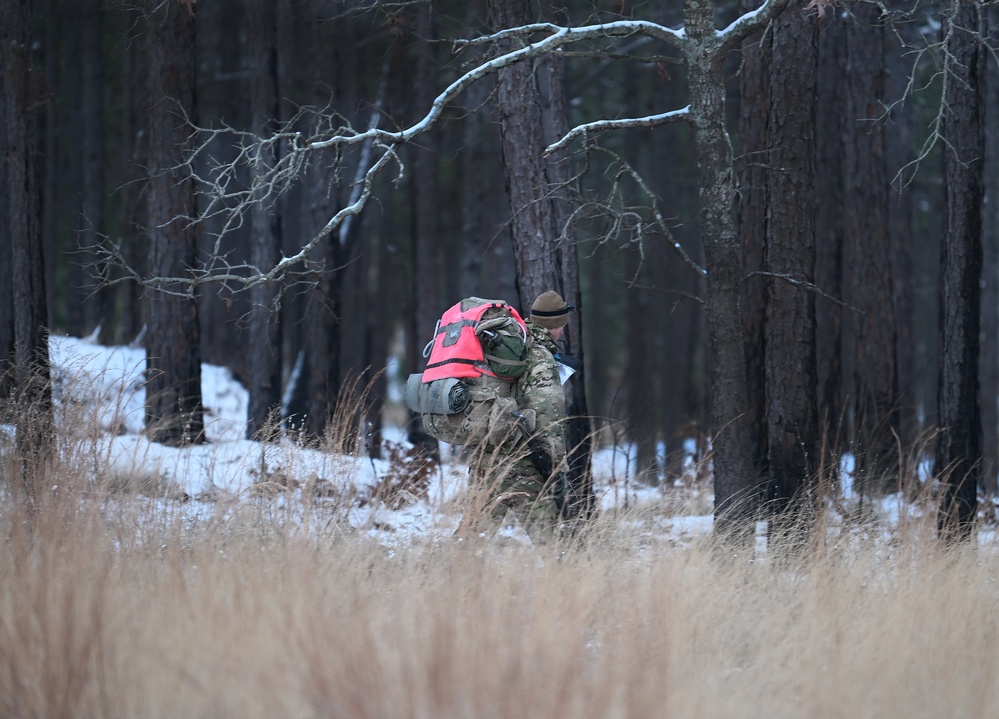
(520, 488)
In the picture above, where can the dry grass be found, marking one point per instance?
(148, 612)
(115, 605)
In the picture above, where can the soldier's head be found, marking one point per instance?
(551, 312)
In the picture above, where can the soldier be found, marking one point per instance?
(525, 469)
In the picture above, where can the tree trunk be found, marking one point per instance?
(34, 423)
(990, 242)
(791, 385)
(53, 174)
(265, 238)
(959, 448)
(475, 191)
(734, 476)
(427, 303)
(682, 389)
(131, 157)
(641, 406)
(754, 79)
(899, 140)
(322, 316)
(868, 260)
(93, 189)
(174, 413)
(544, 259)
(532, 217)
(6, 250)
(829, 189)
(579, 433)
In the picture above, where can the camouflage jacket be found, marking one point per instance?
(540, 389)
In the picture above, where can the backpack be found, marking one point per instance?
(466, 393)
(477, 337)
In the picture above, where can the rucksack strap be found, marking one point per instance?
(504, 360)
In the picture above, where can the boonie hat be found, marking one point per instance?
(550, 310)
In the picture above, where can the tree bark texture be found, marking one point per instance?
(731, 453)
(6, 250)
(533, 220)
(265, 239)
(899, 139)
(990, 242)
(755, 94)
(174, 414)
(678, 347)
(829, 240)
(959, 448)
(579, 433)
(427, 302)
(26, 273)
(130, 158)
(323, 311)
(474, 187)
(531, 109)
(791, 370)
(869, 260)
(93, 191)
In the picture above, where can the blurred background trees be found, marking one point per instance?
(842, 235)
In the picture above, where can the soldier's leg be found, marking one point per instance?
(487, 504)
(524, 492)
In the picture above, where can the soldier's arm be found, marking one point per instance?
(542, 391)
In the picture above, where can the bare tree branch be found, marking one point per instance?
(660, 220)
(797, 281)
(584, 130)
(229, 197)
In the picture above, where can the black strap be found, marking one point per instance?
(553, 313)
(453, 360)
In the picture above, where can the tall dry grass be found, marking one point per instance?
(148, 614)
(115, 605)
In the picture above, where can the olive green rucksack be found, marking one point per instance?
(504, 342)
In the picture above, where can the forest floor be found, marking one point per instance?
(244, 579)
(100, 397)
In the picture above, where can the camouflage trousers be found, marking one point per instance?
(512, 488)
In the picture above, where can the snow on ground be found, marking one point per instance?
(102, 389)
